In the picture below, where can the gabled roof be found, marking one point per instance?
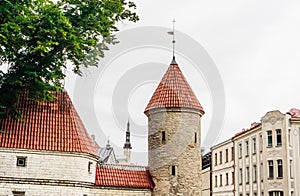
(174, 92)
(105, 153)
(52, 126)
(125, 176)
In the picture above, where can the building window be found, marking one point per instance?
(232, 178)
(173, 170)
(226, 155)
(254, 173)
(260, 143)
(216, 159)
(221, 157)
(216, 180)
(163, 136)
(227, 179)
(289, 137)
(247, 175)
(278, 137)
(276, 193)
(291, 169)
(232, 153)
(21, 161)
(271, 169)
(254, 145)
(240, 150)
(270, 140)
(195, 137)
(221, 184)
(247, 148)
(279, 169)
(240, 176)
(18, 193)
(89, 167)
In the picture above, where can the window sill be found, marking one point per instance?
(279, 178)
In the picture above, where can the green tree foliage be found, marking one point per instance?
(38, 37)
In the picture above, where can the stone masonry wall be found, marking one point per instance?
(179, 150)
(47, 165)
(46, 190)
(206, 182)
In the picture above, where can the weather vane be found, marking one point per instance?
(173, 33)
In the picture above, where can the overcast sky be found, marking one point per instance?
(254, 44)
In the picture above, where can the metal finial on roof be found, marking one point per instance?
(173, 41)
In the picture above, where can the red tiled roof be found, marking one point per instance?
(123, 176)
(53, 126)
(295, 113)
(174, 92)
(253, 125)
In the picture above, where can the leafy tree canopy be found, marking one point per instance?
(38, 37)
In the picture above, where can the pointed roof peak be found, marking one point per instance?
(173, 62)
(174, 91)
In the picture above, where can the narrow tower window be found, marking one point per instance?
(163, 136)
(195, 137)
(89, 167)
(173, 170)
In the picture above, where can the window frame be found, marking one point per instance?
(270, 168)
(254, 145)
(269, 138)
(280, 168)
(21, 158)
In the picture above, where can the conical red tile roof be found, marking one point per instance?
(174, 92)
(52, 126)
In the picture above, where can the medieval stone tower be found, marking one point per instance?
(174, 136)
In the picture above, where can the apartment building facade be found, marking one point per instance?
(266, 156)
(222, 169)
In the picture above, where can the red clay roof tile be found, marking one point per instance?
(123, 176)
(53, 126)
(174, 92)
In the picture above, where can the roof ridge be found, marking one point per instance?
(123, 167)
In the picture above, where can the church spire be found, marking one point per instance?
(127, 146)
(127, 139)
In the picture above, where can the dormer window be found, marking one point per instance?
(21, 161)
